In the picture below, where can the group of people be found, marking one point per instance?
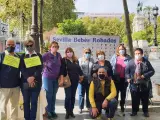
(102, 81)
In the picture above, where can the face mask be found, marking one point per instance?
(138, 57)
(10, 49)
(121, 52)
(101, 76)
(100, 57)
(70, 54)
(30, 49)
(54, 49)
(87, 56)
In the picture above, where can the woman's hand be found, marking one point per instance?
(81, 79)
(61, 81)
(31, 81)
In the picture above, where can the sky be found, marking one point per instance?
(111, 6)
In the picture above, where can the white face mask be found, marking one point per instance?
(100, 57)
(138, 57)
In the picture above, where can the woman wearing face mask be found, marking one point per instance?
(51, 71)
(31, 69)
(119, 62)
(138, 72)
(71, 66)
(86, 64)
(102, 63)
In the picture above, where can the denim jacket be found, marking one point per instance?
(113, 61)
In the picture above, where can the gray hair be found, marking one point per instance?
(28, 40)
(11, 39)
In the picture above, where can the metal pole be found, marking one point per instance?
(41, 25)
(34, 26)
(155, 31)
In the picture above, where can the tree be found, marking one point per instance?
(128, 29)
(55, 11)
(141, 35)
(148, 13)
(71, 27)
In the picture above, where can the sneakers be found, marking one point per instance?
(50, 115)
(72, 114)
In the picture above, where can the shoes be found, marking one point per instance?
(146, 114)
(133, 114)
(47, 115)
(80, 111)
(99, 117)
(72, 114)
(54, 115)
(122, 108)
(67, 115)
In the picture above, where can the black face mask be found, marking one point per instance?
(10, 49)
(101, 76)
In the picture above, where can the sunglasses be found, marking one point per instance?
(29, 46)
(88, 52)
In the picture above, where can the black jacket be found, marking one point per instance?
(9, 76)
(32, 71)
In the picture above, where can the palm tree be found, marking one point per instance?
(128, 29)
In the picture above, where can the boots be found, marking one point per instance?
(67, 115)
(72, 114)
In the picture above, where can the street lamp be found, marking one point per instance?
(155, 14)
(34, 26)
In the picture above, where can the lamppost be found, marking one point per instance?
(34, 26)
(155, 14)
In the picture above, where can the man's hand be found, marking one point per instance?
(104, 104)
(94, 112)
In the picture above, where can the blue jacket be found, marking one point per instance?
(9, 76)
(146, 70)
(113, 61)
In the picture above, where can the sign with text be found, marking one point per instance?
(11, 61)
(95, 42)
(32, 61)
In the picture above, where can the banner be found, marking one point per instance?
(95, 42)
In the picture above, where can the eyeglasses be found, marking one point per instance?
(29, 46)
(87, 52)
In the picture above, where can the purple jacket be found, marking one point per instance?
(52, 65)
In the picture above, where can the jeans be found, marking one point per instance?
(110, 110)
(82, 89)
(30, 97)
(70, 94)
(121, 88)
(51, 88)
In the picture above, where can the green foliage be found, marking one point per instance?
(55, 11)
(141, 35)
(71, 27)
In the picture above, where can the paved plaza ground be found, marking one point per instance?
(154, 109)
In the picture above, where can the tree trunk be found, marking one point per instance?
(128, 29)
(41, 26)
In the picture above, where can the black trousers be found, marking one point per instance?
(121, 88)
(138, 96)
(110, 110)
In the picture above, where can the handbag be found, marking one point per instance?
(67, 82)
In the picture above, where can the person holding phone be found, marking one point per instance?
(31, 69)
